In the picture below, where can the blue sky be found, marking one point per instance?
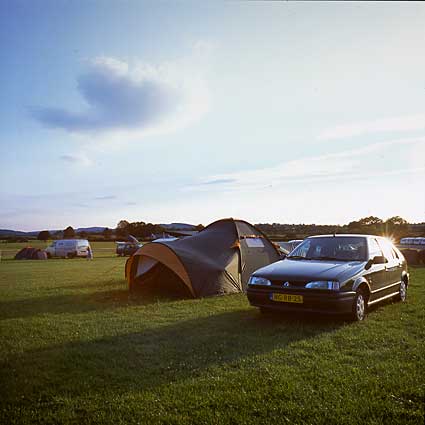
(186, 111)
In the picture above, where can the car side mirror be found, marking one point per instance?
(378, 259)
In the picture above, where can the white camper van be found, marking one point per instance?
(68, 248)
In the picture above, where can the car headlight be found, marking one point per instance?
(324, 284)
(257, 280)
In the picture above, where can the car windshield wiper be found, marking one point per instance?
(298, 257)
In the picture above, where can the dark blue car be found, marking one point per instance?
(342, 274)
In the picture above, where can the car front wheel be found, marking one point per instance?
(358, 312)
(402, 292)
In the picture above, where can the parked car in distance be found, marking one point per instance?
(124, 249)
(169, 239)
(332, 274)
(119, 248)
(68, 248)
(413, 249)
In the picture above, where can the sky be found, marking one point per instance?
(285, 112)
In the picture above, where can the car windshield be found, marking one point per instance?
(338, 248)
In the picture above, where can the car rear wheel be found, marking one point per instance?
(358, 312)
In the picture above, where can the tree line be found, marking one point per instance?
(70, 233)
(396, 226)
(139, 229)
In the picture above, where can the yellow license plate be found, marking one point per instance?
(287, 298)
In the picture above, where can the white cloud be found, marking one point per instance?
(127, 101)
(109, 64)
(105, 198)
(77, 158)
(379, 159)
(392, 124)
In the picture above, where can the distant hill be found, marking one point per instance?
(94, 229)
(178, 226)
(18, 233)
(7, 232)
(90, 229)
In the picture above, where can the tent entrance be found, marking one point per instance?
(161, 281)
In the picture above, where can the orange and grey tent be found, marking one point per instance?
(217, 260)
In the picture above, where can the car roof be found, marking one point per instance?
(70, 240)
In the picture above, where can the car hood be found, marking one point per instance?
(308, 270)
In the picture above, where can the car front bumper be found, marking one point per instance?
(313, 301)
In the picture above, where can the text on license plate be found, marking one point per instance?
(287, 298)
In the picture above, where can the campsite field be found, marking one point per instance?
(8, 250)
(74, 348)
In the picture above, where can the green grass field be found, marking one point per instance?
(74, 348)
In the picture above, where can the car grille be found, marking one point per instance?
(292, 283)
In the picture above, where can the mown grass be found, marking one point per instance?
(74, 348)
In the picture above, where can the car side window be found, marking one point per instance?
(387, 249)
(374, 248)
(303, 249)
(395, 254)
(398, 254)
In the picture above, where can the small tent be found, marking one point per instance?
(217, 260)
(31, 254)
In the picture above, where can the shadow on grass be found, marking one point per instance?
(58, 304)
(117, 298)
(156, 356)
(79, 302)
